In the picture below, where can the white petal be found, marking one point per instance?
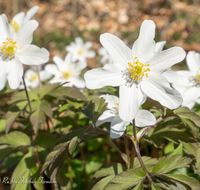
(106, 116)
(158, 89)
(118, 50)
(88, 45)
(184, 78)
(3, 66)
(79, 41)
(31, 12)
(170, 75)
(144, 118)
(25, 34)
(180, 88)
(3, 81)
(117, 127)
(4, 28)
(18, 18)
(193, 61)
(197, 100)
(130, 99)
(15, 74)
(159, 46)
(144, 46)
(78, 82)
(60, 63)
(190, 105)
(53, 69)
(34, 84)
(33, 55)
(55, 80)
(90, 54)
(190, 95)
(111, 100)
(44, 75)
(29, 73)
(163, 60)
(109, 75)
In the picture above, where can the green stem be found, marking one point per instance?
(70, 172)
(132, 157)
(127, 150)
(38, 72)
(137, 149)
(29, 103)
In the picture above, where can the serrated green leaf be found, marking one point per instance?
(46, 140)
(111, 169)
(15, 138)
(139, 186)
(94, 109)
(154, 187)
(166, 164)
(54, 154)
(100, 185)
(46, 108)
(48, 88)
(61, 178)
(191, 182)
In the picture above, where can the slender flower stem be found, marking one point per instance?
(70, 172)
(137, 149)
(38, 72)
(126, 149)
(29, 103)
(132, 157)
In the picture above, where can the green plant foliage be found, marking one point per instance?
(166, 164)
(94, 109)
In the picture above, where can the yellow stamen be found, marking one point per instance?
(137, 69)
(80, 52)
(66, 75)
(9, 48)
(117, 106)
(34, 77)
(197, 77)
(15, 26)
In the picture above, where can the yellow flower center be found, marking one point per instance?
(137, 70)
(117, 107)
(8, 49)
(34, 77)
(80, 52)
(66, 75)
(197, 77)
(15, 26)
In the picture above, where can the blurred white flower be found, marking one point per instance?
(32, 80)
(16, 49)
(118, 126)
(22, 18)
(66, 71)
(105, 56)
(188, 82)
(80, 50)
(137, 72)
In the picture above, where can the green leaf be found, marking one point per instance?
(37, 118)
(154, 187)
(15, 138)
(166, 164)
(70, 92)
(2, 125)
(48, 88)
(46, 140)
(46, 108)
(54, 154)
(4, 151)
(61, 178)
(100, 185)
(139, 186)
(127, 179)
(191, 182)
(111, 169)
(148, 162)
(190, 118)
(94, 109)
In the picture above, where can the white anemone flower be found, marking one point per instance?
(188, 82)
(16, 49)
(137, 72)
(105, 56)
(66, 71)
(169, 74)
(118, 126)
(80, 50)
(22, 18)
(32, 80)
